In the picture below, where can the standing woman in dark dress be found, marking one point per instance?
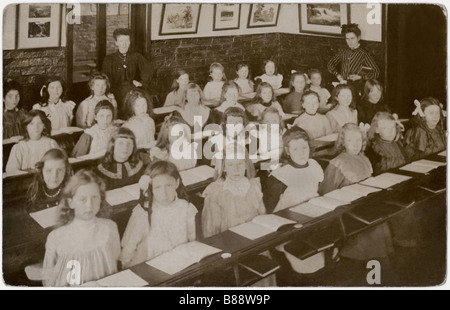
(352, 59)
(125, 69)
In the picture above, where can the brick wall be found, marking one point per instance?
(290, 51)
(196, 54)
(32, 67)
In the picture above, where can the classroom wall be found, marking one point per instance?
(32, 67)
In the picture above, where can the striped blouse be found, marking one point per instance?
(352, 60)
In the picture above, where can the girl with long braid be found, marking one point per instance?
(163, 219)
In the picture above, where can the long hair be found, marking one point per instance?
(82, 177)
(163, 137)
(104, 105)
(38, 186)
(293, 76)
(274, 64)
(335, 93)
(233, 111)
(122, 132)
(195, 87)
(216, 65)
(339, 144)
(430, 101)
(29, 118)
(371, 134)
(293, 133)
(242, 65)
(175, 86)
(44, 90)
(368, 86)
(228, 85)
(273, 110)
(160, 167)
(258, 98)
(234, 148)
(98, 76)
(130, 100)
(10, 85)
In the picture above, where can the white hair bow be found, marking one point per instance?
(418, 109)
(41, 92)
(397, 121)
(442, 109)
(364, 127)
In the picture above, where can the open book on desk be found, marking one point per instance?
(196, 175)
(385, 180)
(261, 225)
(365, 70)
(318, 206)
(126, 278)
(422, 166)
(182, 257)
(47, 217)
(328, 138)
(124, 194)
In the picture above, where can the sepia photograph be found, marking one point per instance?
(269, 147)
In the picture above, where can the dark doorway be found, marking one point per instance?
(416, 55)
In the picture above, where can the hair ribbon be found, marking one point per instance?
(418, 109)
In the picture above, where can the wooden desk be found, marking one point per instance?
(317, 233)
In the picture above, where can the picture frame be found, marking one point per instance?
(263, 15)
(226, 16)
(179, 18)
(323, 18)
(39, 25)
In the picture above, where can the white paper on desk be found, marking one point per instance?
(428, 163)
(247, 96)
(133, 189)
(118, 196)
(328, 138)
(47, 217)
(251, 230)
(164, 110)
(309, 210)
(289, 116)
(416, 168)
(11, 140)
(182, 257)
(96, 155)
(13, 173)
(196, 175)
(281, 91)
(443, 153)
(360, 189)
(343, 195)
(385, 180)
(271, 221)
(126, 278)
(327, 203)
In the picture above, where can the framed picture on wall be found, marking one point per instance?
(180, 18)
(39, 25)
(323, 18)
(226, 16)
(263, 15)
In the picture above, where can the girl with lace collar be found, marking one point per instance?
(121, 165)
